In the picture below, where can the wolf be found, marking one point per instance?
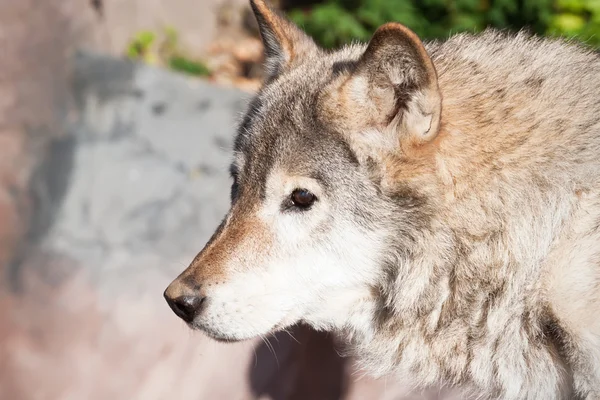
(435, 204)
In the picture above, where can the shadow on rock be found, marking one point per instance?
(301, 365)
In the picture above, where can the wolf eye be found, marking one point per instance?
(302, 198)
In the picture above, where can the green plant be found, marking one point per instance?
(164, 50)
(188, 66)
(578, 19)
(140, 46)
(335, 22)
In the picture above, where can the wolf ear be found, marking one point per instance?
(400, 83)
(285, 44)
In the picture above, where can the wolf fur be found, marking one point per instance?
(455, 236)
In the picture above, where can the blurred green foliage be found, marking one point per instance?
(163, 49)
(335, 22)
(188, 66)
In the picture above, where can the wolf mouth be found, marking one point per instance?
(227, 338)
(215, 335)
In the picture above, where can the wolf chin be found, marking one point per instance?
(437, 205)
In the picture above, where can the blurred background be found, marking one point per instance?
(116, 124)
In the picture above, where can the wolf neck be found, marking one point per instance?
(464, 304)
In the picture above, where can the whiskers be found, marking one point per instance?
(287, 330)
(267, 343)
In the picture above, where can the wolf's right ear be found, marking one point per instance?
(402, 76)
(393, 89)
(285, 44)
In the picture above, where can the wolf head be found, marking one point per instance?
(318, 201)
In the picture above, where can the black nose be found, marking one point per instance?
(186, 307)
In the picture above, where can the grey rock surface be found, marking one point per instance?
(150, 163)
(126, 200)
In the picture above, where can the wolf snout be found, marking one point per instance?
(185, 303)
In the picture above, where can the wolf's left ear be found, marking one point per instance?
(285, 44)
